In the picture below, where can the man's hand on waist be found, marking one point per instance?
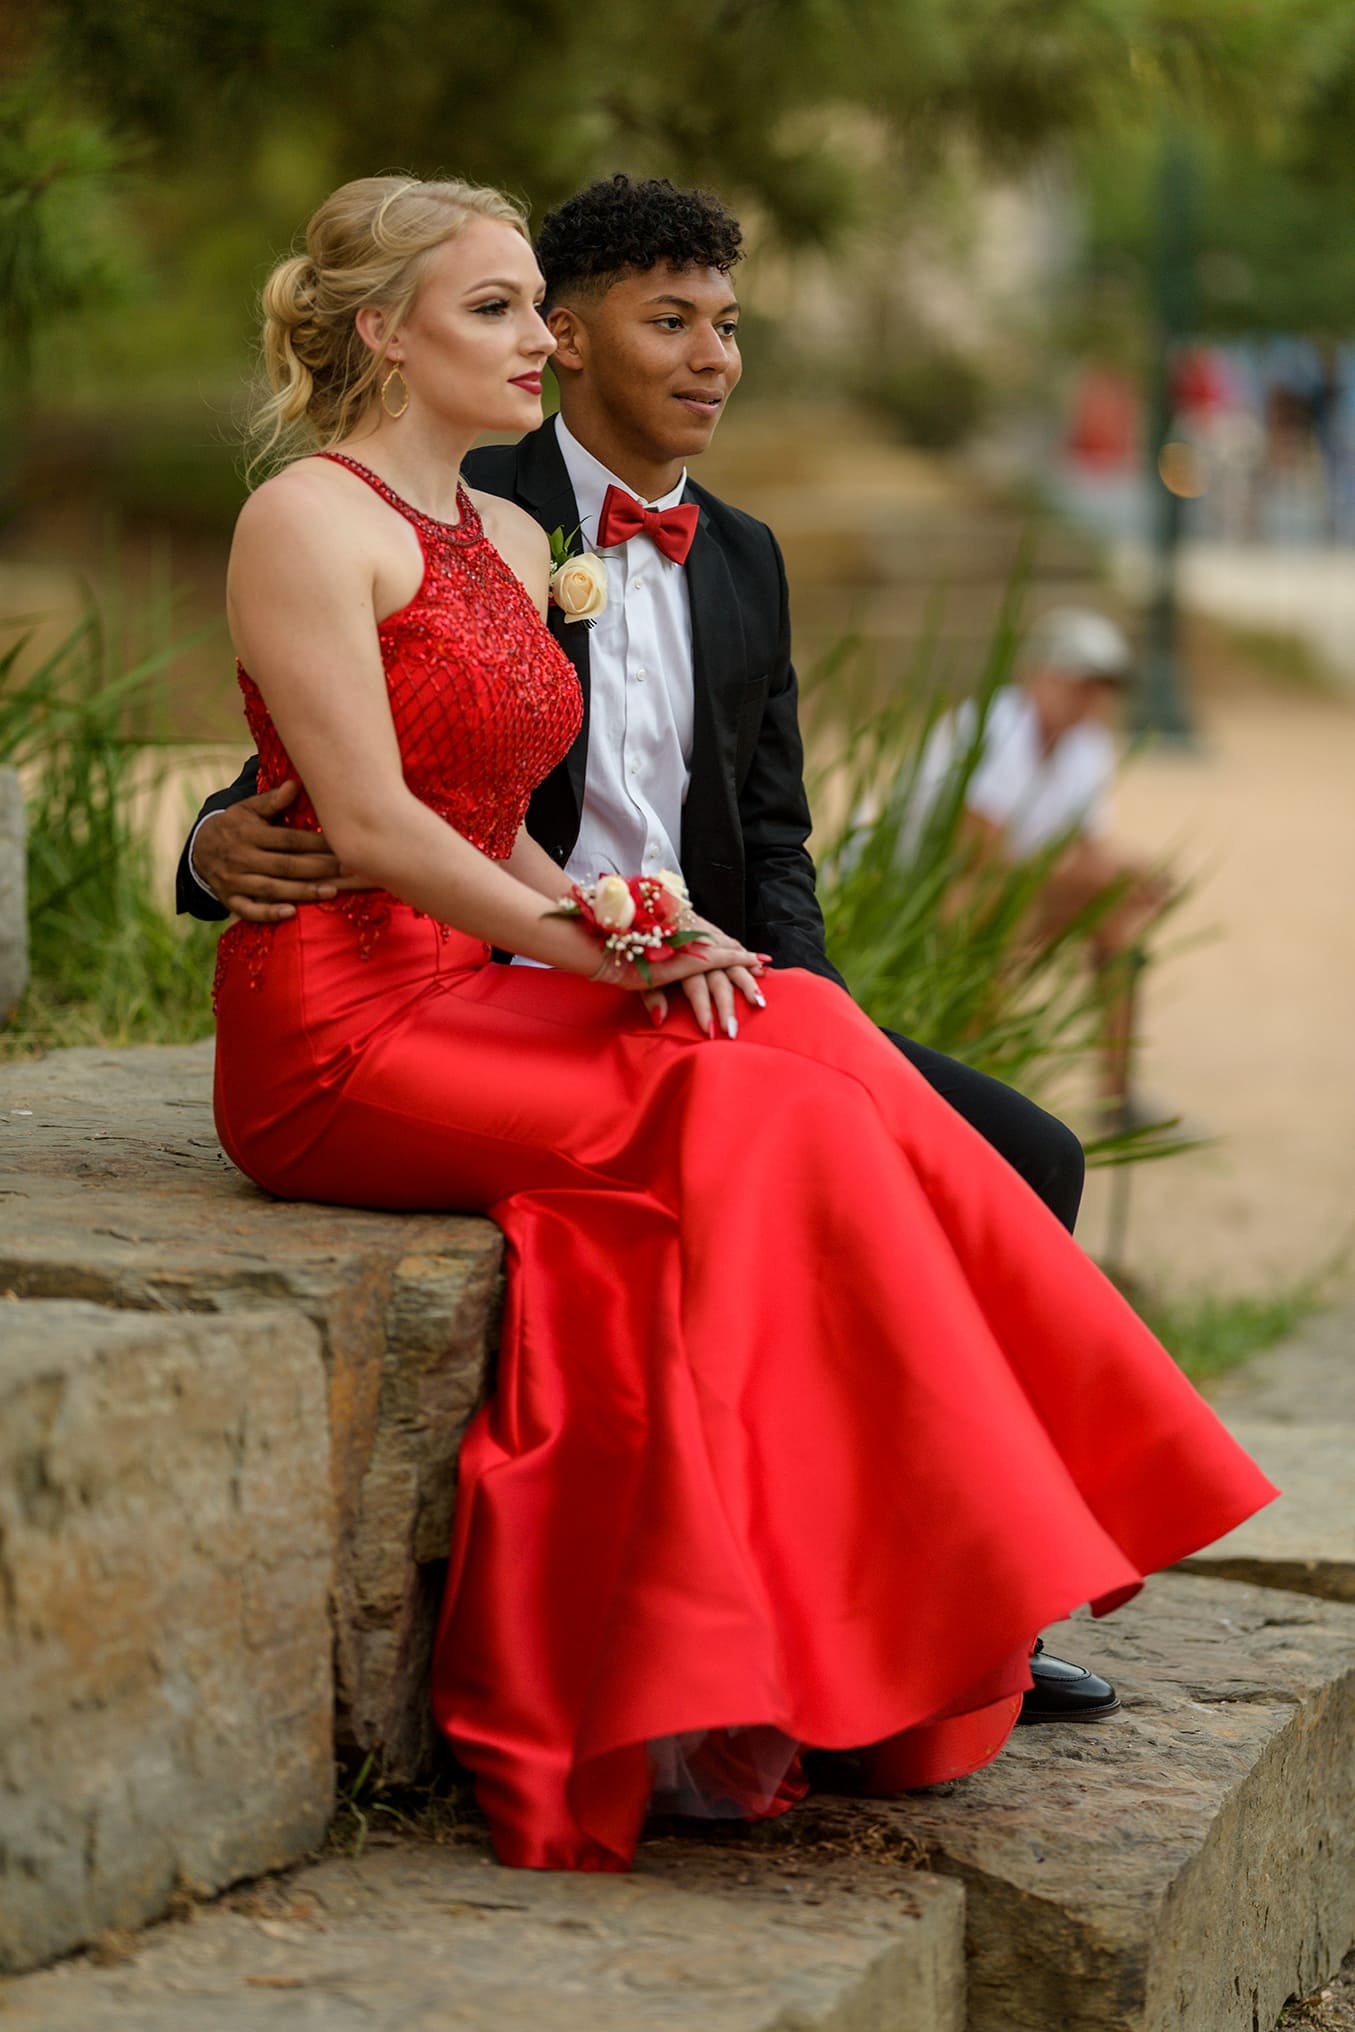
(260, 870)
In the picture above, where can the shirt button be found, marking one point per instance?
(639, 579)
(641, 674)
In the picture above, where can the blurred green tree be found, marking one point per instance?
(248, 110)
(1273, 250)
(1274, 182)
(64, 240)
(60, 225)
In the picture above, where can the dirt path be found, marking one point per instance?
(1251, 1031)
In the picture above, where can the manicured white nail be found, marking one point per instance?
(761, 1000)
(731, 1026)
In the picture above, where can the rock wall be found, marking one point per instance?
(166, 1701)
(114, 1189)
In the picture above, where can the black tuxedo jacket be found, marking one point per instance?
(746, 818)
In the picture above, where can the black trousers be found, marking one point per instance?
(1045, 1152)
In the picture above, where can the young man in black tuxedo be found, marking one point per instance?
(690, 752)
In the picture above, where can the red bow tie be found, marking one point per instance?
(670, 529)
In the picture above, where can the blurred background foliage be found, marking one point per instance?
(77, 719)
(154, 156)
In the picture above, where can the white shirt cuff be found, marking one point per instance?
(205, 887)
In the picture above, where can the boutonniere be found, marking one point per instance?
(578, 584)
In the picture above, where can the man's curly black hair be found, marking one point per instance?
(619, 225)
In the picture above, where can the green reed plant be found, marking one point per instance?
(108, 965)
(935, 942)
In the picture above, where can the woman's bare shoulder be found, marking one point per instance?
(303, 485)
(312, 499)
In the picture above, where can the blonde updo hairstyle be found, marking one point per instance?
(367, 244)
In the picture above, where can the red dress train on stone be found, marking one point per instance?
(808, 1415)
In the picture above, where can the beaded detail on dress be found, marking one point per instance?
(485, 704)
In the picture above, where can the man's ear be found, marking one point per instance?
(571, 338)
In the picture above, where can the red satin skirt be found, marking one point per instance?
(809, 1414)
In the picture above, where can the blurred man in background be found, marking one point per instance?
(1043, 776)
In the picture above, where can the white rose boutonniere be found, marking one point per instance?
(578, 584)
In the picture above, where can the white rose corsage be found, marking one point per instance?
(578, 584)
(640, 920)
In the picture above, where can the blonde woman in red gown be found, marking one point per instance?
(808, 1414)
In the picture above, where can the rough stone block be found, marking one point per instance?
(166, 1701)
(115, 1189)
(416, 1939)
(1185, 1866)
(13, 896)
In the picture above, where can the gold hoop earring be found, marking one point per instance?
(385, 386)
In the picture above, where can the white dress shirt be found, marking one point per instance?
(639, 691)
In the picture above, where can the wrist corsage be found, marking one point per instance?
(644, 919)
(578, 584)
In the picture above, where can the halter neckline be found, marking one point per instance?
(468, 530)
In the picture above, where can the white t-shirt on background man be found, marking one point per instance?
(1031, 796)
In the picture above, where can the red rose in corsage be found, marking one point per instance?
(640, 920)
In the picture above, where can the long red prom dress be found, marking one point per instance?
(809, 1414)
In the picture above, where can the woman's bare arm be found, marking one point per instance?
(533, 865)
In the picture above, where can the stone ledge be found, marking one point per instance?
(1295, 1410)
(114, 1189)
(166, 1703)
(415, 1938)
(1141, 1876)
(1182, 1868)
(1185, 1866)
(1306, 1541)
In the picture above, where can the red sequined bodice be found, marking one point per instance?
(485, 702)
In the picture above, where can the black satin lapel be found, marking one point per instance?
(719, 660)
(543, 480)
(572, 637)
(544, 490)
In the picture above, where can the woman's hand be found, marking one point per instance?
(712, 997)
(713, 992)
(709, 973)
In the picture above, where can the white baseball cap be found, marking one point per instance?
(1078, 643)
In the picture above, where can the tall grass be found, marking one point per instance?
(934, 941)
(108, 965)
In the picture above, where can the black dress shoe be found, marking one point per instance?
(1064, 1692)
